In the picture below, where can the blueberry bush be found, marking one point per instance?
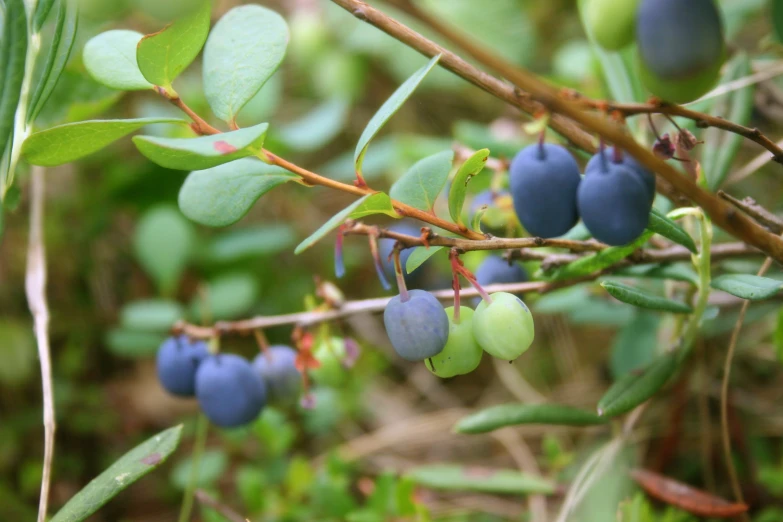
(399, 260)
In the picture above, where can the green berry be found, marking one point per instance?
(504, 328)
(462, 354)
(612, 22)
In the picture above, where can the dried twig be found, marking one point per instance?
(756, 211)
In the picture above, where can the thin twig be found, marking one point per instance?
(751, 167)
(208, 500)
(35, 286)
(756, 211)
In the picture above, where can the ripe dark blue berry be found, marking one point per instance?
(494, 269)
(544, 179)
(614, 203)
(229, 391)
(177, 361)
(277, 368)
(609, 155)
(418, 328)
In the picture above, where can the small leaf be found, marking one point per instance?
(163, 242)
(334, 222)
(162, 56)
(128, 469)
(459, 185)
(378, 203)
(633, 389)
(71, 141)
(504, 415)
(227, 297)
(636, 297)
(317, 128)
(423, 182)
(244, 49)
(388, 109)
(151, 315)
(676, 272)
(605, 258)
(134, 343)
(250, 243)
(13, 49)
(205, 151)
(110, 58)
(211, 467)
(660, 224)
(463, 478)
(222, 195)
(747, 286)
(419, 256)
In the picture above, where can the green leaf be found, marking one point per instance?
(13, 48)
(211, 467)
(110, 58)
(128, 469)
(660, 224)
(42, 10)
(633, 389)
(388, 109)
(605, 258)
(378, 203)
(227, 297)
(419, 256)
(254, 242)
(635, 345)
(676, 272)
(162, 56)
(747, 286)
(222, 195)
(205, 151)
(163, 242)
(59, 52)
(459, 185)
(718, 154)
(463, 478)
(504, 415)
(71, 141)
(423, 182)
(152, 315)
(317, 128)
(636, 297)
(334, 222)
(133, 343)
(244, 49)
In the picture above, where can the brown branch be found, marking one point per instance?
(722, 214)
(756, 211)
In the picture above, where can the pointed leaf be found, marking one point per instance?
(110, 58)
(459, 185)
(605, 258)
(334, 222)
(42, 10)
(640, 298)
(222, 195)
(633, 389)
(244, 49)
(419, 256)
(205, 151)
(388, 109)
(164, 242)
(504, 415)
(13, 48)
(635, 345)
(485, 480)
(71, 141)
(151, 315)
(317, 128)
(128, 469)
(423, 182)
(162, 56)
(660, 224)
(378, 203)
(747, 286)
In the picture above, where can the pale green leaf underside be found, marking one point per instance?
(164, 241)
(424, 181)
(110, 58)
(334, 222)
(463, 478)
(222, 195)
(633, 389)
(459, 185)
(642, 299)
(664, 226)
(71, 141)
(747, 286)
(205, 151)
(504, 415)
(378, 203)
(317, 128)
(419, 256)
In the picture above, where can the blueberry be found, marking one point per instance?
(608, 155)
(277, 368)
(386, 245)
(504, 328)
(418, 328)
(544, 179)
(614, 203)
(229, 391)
(177, 361)
(462, 354)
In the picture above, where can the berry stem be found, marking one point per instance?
(458, 267)
(261, 340)
(454, 259)
(376, 258)
(339, 265)
(398, 273)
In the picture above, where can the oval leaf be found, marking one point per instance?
(128, 469)
(660, 224)
(205, 151)
(747, 286)
(164, 241)
(317, 128)
(675, 272)
(151, 315)
(71, 141)
(515, 414)
(222, 195)
(162, 56)
(334, 222)
(244, 49)
(636, 297)
(633, 389)
(463, 478)
(388, 109)
(459, 185)
(134, 343)
(423, 182)
(419, 256)
(378, 203)
(227, 297)
(13, 47)
(635, 345)
(249, 243)
(110, 58)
